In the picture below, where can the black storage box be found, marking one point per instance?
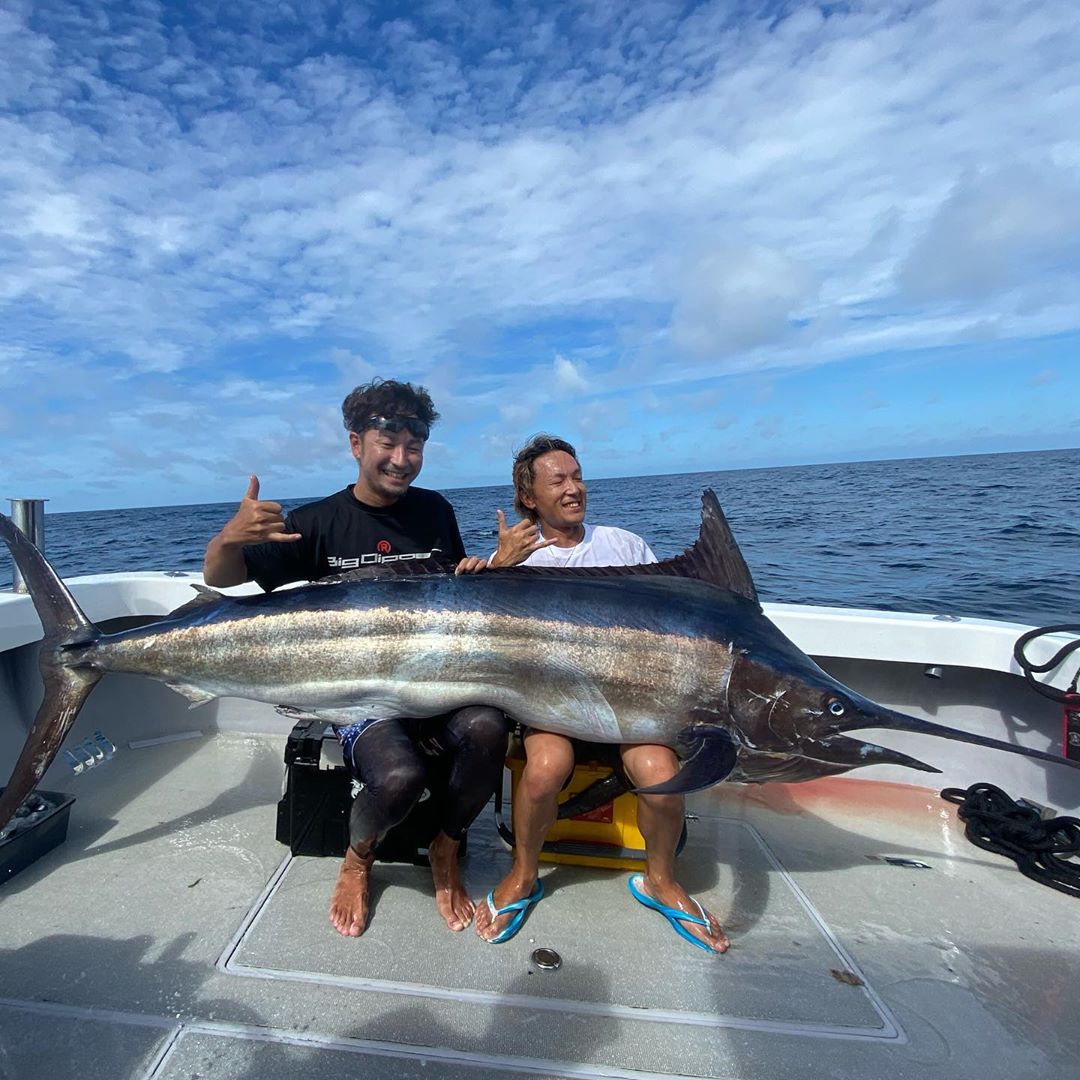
(28, 837)
(313, 813)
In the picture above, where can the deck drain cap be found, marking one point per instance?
(546, 959)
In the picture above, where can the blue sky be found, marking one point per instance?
(684, 236)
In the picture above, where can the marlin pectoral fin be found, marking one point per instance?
(712, 754)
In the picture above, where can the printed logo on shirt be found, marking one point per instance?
(373, 558)
(383, 547)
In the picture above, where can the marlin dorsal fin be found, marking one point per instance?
(715, 556)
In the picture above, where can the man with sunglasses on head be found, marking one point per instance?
(381, 518)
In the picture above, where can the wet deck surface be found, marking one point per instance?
(171, 937)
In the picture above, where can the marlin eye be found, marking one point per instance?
(836, 707)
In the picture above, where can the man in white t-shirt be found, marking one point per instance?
(549, 493)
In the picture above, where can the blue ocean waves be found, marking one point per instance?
(991, 535)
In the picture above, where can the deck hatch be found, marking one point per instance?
(777, 978)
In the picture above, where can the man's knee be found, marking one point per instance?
(399, 787)
(648, 765)
(548, 766)
(480, 728)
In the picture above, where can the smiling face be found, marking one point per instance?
(558, 493)
(389, 462)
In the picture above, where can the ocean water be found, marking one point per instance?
(991, 535)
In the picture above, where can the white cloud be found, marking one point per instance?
(569, 377)
(997, 231)
(353, 367)
(738, 299)
(366, 205)
(517, 414)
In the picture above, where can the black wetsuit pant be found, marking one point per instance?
(457, 757)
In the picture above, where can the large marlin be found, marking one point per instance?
(677, 652)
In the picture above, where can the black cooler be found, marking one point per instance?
(313, 813)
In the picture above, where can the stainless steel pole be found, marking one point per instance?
(29, 515)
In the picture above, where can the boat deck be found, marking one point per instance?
(172, 936)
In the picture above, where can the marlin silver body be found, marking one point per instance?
(422, 645)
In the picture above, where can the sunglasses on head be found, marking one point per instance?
(414, 425)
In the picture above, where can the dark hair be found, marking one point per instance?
(386, 397)
(524, 471)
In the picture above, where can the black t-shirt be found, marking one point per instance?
(341, 533)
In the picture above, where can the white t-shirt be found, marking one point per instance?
(602, 545)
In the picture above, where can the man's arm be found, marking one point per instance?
(255, 522)
(223, 563)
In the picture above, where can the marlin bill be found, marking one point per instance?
(678, 653)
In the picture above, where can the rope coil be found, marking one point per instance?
(1040, 848)
(1030, 668)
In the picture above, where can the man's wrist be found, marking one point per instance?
(224, 542)
(505, 559)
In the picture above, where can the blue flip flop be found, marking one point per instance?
(519, 907)
(674, 916)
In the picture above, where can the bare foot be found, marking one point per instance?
(506, 892)
(451, 899)
(349, 903)
(672, 894)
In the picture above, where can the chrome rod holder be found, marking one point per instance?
(29, 516)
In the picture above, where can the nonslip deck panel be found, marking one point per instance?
(201, 1054)
(616, 954)
(49, 1045)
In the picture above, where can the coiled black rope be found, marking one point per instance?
(1039, 847)
(1029, 668)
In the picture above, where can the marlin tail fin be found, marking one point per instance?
(66, 688)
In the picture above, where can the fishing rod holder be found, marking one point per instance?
(29, 516)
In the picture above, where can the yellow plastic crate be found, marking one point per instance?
(607, 836)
